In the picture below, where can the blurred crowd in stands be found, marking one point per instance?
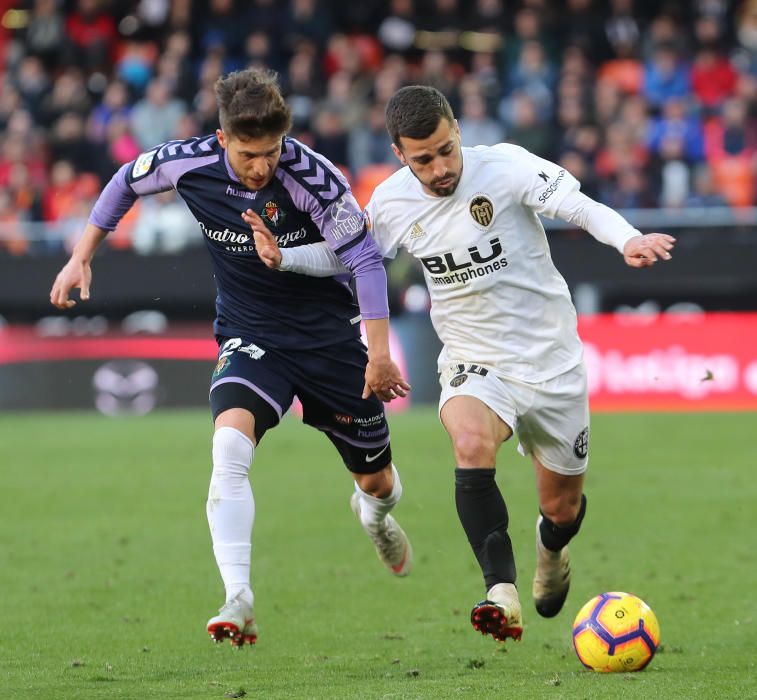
(647, 103)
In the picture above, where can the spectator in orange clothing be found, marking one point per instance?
(24, 195)
(621, 153)
(13, 152)
(732, 134)
(66, 189)
(734, 179)
(625, 70)
(730, 148)
(12, 236)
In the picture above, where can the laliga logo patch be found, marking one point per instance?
(482, 210)
(581, 445)
(459, 380)
(272, 214)
(142, 164)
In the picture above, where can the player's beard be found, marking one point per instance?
(445, 190)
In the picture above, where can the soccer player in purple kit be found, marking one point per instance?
(279, 334)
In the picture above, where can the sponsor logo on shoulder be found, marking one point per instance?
(553, 187)
(142, 164)
(347, 217)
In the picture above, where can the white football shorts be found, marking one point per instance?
(550, 418)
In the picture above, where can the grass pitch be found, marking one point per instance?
(107, 575)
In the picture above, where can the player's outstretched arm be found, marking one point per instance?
(382, 376)
(77, 272)
(111, 206)
(646, 250)
(313, 259)
(609, 227)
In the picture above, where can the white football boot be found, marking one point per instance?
(551, 578)
(234, 621)
(499, 615)
(391, 542)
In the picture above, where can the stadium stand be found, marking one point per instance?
(651, 104)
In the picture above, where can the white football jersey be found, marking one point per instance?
(496, 297)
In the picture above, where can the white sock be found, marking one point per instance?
(231, 509)
(373, 510)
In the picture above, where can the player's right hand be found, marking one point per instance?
(644, 251)
(265, 242)
(75, 274)
(383, 378)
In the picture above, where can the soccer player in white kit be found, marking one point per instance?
(512, 359)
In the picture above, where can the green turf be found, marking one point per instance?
(107, 576)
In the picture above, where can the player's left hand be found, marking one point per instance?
(383, 378)
(265, 242)
(644, 251)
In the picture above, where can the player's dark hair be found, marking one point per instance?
(250, 104)
(415, 111)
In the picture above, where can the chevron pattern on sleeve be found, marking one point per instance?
(191, 147)
(315, 176)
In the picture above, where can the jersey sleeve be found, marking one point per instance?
(160, 168)
(317, 187)
(605, 224)
(343, 227)
(381, 232)
(114, 201)
(541, 184)
(153, 171)
(314, 259)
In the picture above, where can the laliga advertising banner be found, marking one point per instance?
(678, 362)
(682, 362)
